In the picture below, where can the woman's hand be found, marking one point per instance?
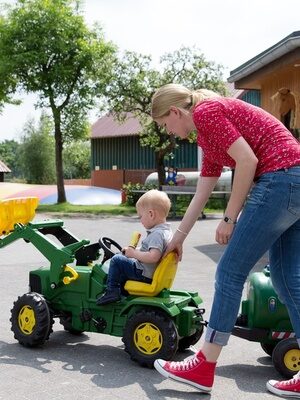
(224, 232)
(175, 245)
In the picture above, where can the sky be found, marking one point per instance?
(228, 32)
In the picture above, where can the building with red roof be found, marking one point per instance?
(3, 170)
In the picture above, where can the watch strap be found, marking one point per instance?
(229, 220)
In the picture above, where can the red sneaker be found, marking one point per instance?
(194, 371)
(286, 389)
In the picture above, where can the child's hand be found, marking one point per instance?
(128, 251)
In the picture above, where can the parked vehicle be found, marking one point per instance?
(190, 178)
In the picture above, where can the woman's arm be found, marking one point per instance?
(246, 163)
(204, 188)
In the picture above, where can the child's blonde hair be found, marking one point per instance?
(156, 200)
(178, 96)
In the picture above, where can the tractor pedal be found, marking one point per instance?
(99, 323)
(200, 311)
(86, 316)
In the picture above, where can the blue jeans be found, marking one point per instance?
(122, 269)
(270, 221)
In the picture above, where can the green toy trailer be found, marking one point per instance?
(153, 320)
(265, 319)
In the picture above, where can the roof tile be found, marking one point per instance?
(108, 126)
(3, 167)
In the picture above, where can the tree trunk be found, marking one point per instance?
(160, 167)
(61, 194)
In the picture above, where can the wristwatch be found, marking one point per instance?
(229, 220)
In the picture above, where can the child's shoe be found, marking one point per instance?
(110, 296)
(286, 389)
(194, 371)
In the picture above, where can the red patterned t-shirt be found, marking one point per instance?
(221, 121)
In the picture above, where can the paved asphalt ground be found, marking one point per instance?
(95, 366)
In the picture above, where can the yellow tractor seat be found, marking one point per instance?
(162, 279)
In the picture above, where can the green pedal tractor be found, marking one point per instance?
(265, 319)
(153, 320)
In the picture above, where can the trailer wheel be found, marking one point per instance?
(31, 320)
(268, 348)
(185, 342)
(148, 335)
(286, 357)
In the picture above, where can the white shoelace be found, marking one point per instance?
(292, 381)
(185, 365)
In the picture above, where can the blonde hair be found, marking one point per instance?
(156, 200)
(178, 96)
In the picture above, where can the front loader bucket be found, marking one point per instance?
(17, 210)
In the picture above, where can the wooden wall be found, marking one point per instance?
(114, 179)
(289, 78)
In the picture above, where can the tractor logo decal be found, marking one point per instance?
(272, 304)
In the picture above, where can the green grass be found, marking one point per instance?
(67, 208)
(122, 209)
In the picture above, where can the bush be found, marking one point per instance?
(182, 201)
(132, 197)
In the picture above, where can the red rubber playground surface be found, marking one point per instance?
(47, 194)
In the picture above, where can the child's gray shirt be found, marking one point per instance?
(157, 238)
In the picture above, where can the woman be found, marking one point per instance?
(261, 150)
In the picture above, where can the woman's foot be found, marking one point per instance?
(287, 389)
(194, 371)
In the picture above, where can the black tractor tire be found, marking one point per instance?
(150, 334)
(185, 342)
(286, 357)
(268, 348)
(31, 320)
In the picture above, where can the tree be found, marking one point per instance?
(46, 48)
(135, 82)
(77, 160)
(37, 152)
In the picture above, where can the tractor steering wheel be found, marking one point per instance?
(106, 244)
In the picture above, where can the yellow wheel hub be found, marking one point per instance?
(148, 338)
(292, 360)
(26, 320)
